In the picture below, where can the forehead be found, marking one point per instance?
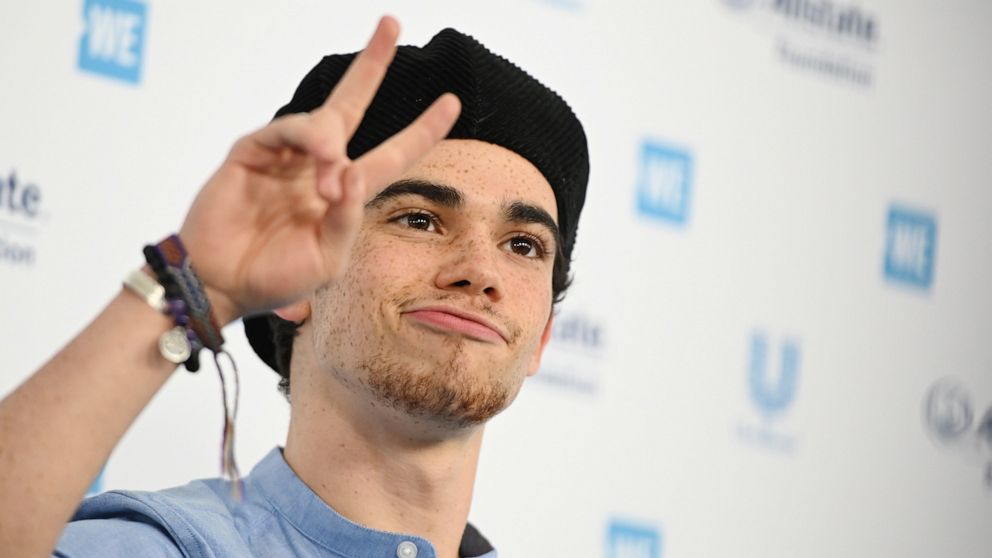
(485, 173)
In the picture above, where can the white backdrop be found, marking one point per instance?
(777, 343)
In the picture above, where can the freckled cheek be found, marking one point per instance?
(386, 260)
(352, 292)
(531, 294)
(383, 275)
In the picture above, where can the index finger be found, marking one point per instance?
(390, 158)
(358, 86)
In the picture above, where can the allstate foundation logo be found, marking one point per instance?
(772, 390)
(910, 247)
(951, 421)
(664, 183)
(113, 40)
(832, 39)
(625, 539)
(574, 357)
(20, 216)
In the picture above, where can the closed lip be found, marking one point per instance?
(463, 314)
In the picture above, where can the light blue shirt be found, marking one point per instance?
(279, 516)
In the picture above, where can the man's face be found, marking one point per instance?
(446, 303)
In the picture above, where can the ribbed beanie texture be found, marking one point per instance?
(501, 104)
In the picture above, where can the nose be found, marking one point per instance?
(472, 269)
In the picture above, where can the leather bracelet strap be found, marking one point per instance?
(172, 265)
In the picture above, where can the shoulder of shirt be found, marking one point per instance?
(115, 538)
(199, 516)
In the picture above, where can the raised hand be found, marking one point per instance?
(279, 217)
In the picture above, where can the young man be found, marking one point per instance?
(414, 280)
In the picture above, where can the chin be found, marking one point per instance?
(453, 390)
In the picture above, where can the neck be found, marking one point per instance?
(380, 468)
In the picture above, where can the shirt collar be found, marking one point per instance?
(291, 498)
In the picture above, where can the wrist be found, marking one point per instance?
(223, 306)
(224, 309)
(188, 302)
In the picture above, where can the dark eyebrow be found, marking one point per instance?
(443, 195)
(446, 196)
(522, 212)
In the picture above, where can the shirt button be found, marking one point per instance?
(406, 549)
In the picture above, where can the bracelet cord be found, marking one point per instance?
(190, 309)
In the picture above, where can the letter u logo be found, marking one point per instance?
(773, 394)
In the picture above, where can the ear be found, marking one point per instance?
(295, 312)
(535, 362)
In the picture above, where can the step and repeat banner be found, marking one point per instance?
(779, 338)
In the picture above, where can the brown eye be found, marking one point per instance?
(419, 221)
(525, 246)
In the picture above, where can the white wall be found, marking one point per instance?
(643, 425)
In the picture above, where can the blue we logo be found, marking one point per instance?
(113, 42)
(665, 182)
(910, 247)
(626, 540)
(773, 388)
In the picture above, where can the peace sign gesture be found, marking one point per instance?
(280, 215)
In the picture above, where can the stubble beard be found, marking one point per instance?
(446, 392)
(452, 387)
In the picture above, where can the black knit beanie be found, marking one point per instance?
(501, 104)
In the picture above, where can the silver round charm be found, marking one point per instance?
(174, 345)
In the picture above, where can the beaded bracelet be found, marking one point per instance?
(187, 303)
